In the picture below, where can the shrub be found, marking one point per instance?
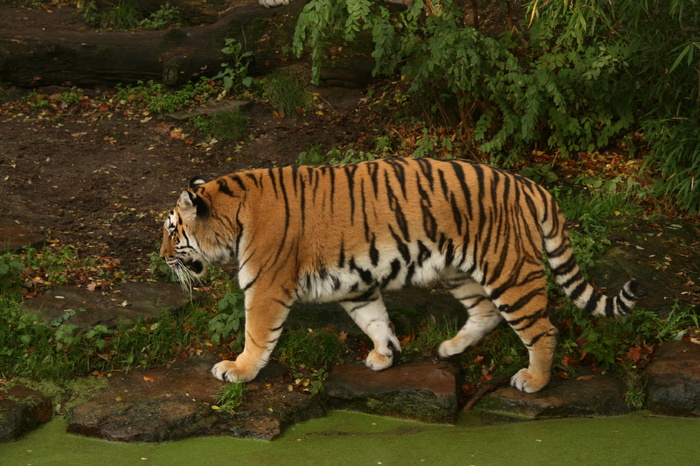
(571, 76)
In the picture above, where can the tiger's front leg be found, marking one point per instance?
(265, 316)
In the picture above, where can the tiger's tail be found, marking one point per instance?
(568, 276)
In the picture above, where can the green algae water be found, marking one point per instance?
(344, 438)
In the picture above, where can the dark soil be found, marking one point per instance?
(101, 184)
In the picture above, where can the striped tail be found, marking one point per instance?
(568, 276)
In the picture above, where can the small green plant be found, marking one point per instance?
(314, 156)
(285, 94)
(235, 72)
(675, 324)
(165, 16)
(608, 340)
(635, 395)
(230, 397)
(310, 349)
(540, 173)
(125, 14)
(10, 270)
(155, 98)
(158, 267)
(72, 97)
(37, 101)
(230, 319)
(230, 125)
(595, 214)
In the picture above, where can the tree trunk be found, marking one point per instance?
(38, 57)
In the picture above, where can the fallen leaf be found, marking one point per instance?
(585, 377)
(148, 379)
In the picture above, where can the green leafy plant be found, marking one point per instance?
(126, 14)
(314, 156)
(159, 268)
(230, 319)
(235, 72)
(36, 100)
(155, 98)
(569, 77)
(10, 270)
(72, 97)
(166, 16)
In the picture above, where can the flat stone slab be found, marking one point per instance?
(123, 304)
(586, 395)
(673, 380)
(426, 392)
(176, 402)
(21, 410)
(14, 236)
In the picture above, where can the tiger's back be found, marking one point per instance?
(344, 233)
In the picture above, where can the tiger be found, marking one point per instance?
(346, 233)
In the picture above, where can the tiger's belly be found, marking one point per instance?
(360, 275)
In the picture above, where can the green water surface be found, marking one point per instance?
(344, 438)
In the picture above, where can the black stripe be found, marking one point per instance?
(459, 173)
(578, 291)
(237, 179)
(373, 252)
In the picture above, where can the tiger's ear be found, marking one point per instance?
(196, 181)
(192, 206)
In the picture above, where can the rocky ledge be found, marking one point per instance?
(179, 401)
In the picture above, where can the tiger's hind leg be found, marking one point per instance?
(369, 313)
(483, 315)
(524, 307)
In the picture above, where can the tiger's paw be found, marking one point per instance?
(377, 361)
(448, 348)
(228, 371)
(524, 381)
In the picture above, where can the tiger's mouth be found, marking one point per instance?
(188, 271)
(197, 267)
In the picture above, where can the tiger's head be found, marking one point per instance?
(181, 246)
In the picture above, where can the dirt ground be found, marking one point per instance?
(103, 183)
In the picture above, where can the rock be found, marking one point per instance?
(673, 380)
(21, 410)
(125, 303)
(587, 395)
(151, 405)
(14, 236)
(421, 392)
(176, 402)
